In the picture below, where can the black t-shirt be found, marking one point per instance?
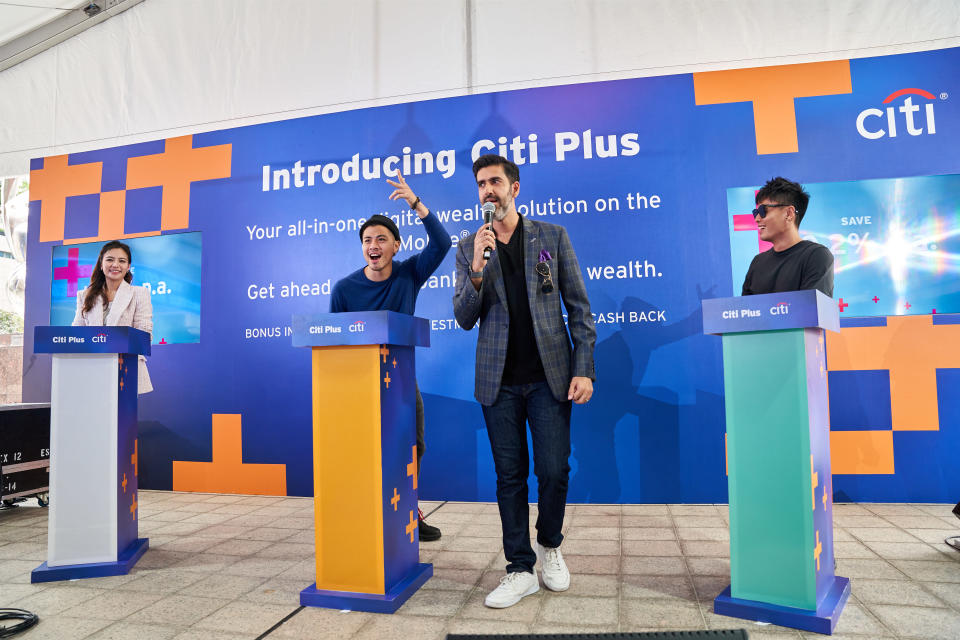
(805, 265)
(523, 364)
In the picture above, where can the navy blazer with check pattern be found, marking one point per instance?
(489, 306)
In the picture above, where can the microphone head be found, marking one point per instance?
(488, 209)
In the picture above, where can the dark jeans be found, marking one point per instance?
(549, 422)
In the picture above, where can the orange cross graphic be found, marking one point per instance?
(134, 459)
(394, 363)
(387, 379)
(412, 468)
(227, 472)
(113, 206)
(814, 481)
(384, 351)
(133, 508)
(124, 483)
(175, 170)
(824, 497)
(912, 348)
(773, 91)
(395, 499)
(411, 526)
(817, 550)
(53, 184)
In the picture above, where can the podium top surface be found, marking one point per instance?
(806, 309)
(90, 340)
(360, 327)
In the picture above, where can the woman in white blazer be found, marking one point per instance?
(111, 301)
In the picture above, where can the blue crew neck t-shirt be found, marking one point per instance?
(357, 292)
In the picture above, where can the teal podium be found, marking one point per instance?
(778, 457)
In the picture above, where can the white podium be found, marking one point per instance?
(92, 530)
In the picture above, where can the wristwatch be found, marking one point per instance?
(476, 274)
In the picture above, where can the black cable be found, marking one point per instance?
(434, 509)
(29, 619)
(277, 626)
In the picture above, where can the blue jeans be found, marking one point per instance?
(549, 422)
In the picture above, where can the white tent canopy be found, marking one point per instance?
(168, 67)
(17, 20)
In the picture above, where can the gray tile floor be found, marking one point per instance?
(224, 566)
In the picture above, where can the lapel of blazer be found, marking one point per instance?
(120, 302)
(496, 275)
(531, 255)
(95, 315)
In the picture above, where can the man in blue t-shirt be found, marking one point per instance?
(384, 285)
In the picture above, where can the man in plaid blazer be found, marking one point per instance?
(526, 370)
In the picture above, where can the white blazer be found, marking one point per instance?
(131, 307)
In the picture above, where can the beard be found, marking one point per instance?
(503, 208)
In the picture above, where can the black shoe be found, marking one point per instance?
(428, 533)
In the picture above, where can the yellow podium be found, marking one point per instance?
(364, 458)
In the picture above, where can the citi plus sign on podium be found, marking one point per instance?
(364, 458)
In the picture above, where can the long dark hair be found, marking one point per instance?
(98, 281)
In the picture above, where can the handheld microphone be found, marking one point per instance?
(488, 208)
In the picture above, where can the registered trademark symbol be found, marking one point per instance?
(464, 234)
(944, 96)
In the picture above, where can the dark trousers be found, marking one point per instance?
(549, 420)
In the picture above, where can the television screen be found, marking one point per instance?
(169, 265)
(895, 241)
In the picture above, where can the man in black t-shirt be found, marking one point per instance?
(792, 264)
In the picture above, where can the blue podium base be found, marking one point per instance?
(822, 620)
(375, 603)
(125, 561)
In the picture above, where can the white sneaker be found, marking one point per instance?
(556, 576)
(513, 587)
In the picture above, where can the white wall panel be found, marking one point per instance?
(91, 87)
(421, 48)
(170, 67)
(518, 41)
(27, 104)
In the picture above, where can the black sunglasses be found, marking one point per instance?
(546, 279)
(761, 209)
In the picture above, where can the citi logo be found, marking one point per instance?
(876, 123)
(100, 337)
(356, 327)
(780, 309)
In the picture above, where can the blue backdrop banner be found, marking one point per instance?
(651, 177)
